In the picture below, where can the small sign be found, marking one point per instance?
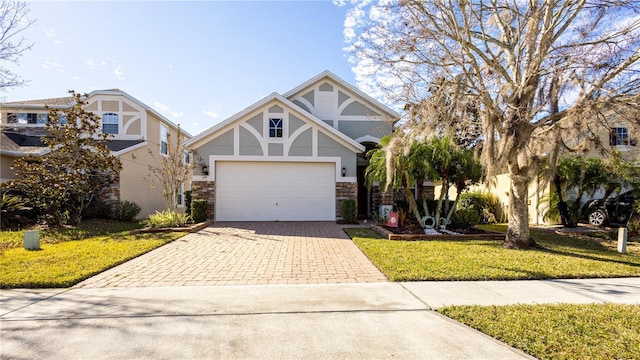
(393, 219)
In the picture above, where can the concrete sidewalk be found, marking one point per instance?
(367, 320)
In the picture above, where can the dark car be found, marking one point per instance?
(614, 209)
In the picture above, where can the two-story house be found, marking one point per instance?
(291, 157)
(140, 139)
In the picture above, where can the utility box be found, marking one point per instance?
(623, 233)
(32, 239)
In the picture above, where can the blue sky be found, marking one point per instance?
(197, 63)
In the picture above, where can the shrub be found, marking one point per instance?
(12, 211)
(167, 219)
(187, 201)
(464, 218)
(127, 210)
(349, 211)
(199, 210)
(482, 203)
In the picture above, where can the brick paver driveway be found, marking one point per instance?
(248, 253)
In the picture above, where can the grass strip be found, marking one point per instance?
(71, 255)
(559, 331)
(562, 257)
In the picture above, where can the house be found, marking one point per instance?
(140, 138)
(618, 131)
(291, 157)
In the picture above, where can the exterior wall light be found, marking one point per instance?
(344, 171)
(205, 169)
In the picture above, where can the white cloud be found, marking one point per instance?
(210, 113)
(161, 106)
(52, 34)
(51, 65)
(166, 109)
(118, 72)
(93, 64)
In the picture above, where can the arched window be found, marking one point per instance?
(110, 123)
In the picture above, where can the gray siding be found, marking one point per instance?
(249, 145)
(356, 129)
(276, 149)
(329, 147)
(294, 123)
(301, 146)
(256, 122)
(302, 106)
(357, 109)
(221, 145)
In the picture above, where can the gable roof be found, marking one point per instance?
(60, 102)
(68, 101)
(204, 136)
(331, 76)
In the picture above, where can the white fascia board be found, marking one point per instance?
(328, 74)
(204, 136)
(11, 153)
(130, 148)
(340, 137)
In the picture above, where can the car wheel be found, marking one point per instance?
(597, 217)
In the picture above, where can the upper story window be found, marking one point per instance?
(27, 118)
(187, 157)
(620, 136)
(110, 123)
(164, 140)
(275, 128)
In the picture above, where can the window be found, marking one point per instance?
(180, 193)
(27, 118)
(275, 128)
(620, 136)
(110, 123)
(164, 140)
(187, 157)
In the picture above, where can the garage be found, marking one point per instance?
(275, 191)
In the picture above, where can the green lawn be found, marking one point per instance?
(563, 256)
(564, 331)
(71, 255)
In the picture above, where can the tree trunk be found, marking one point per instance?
(518, 230)
(563, 208)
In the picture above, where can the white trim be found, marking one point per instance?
(368, 138)
(292, 159)
(264, 104)
(327, 74)
(12, 153)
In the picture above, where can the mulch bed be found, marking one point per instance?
(191, 228)
(413, 231)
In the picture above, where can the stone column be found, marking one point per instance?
(205, 190)
(345, 190)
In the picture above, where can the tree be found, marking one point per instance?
(437, 158)
(78, 167)
(170, 172)
(13, 20)
(541, 73)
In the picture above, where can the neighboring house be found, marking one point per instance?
(614, 134)
(140, 137)
(291, 157)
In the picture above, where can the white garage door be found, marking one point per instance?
(270, 191)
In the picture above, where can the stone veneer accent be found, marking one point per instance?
(345, 190)
(205, 190)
